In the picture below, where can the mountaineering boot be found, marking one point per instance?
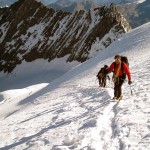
(114, 97)
(119, 98)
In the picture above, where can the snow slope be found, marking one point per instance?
(72, 112)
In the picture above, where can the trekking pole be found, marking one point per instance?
(131, 90)
(110, 83)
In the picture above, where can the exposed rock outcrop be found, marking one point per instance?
(29, 31)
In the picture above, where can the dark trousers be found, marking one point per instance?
(102, 81)
(117, 86)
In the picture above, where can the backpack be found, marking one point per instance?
(125, 60)
(103, 71)
(100, 72)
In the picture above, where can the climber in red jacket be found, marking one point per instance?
(120, 69)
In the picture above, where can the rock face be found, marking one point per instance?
(29, 31)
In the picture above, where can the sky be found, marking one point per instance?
(72, 111)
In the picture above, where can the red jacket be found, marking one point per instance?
(125, 68)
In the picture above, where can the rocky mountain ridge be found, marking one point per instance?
(136, 12)
(29, 31)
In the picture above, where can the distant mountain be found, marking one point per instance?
(101, 2)
(4, 3)
(47, 2)
(135, 11)
(71, 6)
(136, 14)
(29, 31)
(120, 1)
(144, 13)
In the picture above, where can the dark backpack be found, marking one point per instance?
(125, 60)
(103, 71)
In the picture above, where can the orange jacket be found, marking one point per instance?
(114, 67)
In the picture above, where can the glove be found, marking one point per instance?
(129, 82)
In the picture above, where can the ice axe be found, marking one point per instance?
(131, 90)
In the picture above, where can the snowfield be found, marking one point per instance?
(73, 112)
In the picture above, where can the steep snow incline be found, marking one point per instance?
(72, 112)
